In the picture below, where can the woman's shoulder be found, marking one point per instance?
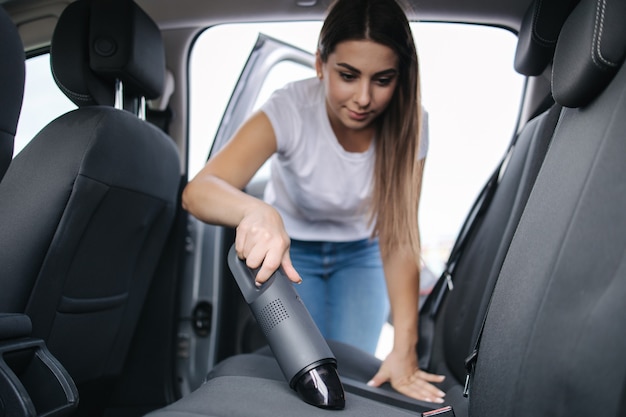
(292, 110)
(301, 91)
(297, 98)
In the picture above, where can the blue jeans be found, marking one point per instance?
(343, 287)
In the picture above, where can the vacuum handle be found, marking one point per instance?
(245, 277)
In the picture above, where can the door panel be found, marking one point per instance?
(214, 321)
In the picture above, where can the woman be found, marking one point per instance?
(344, 188)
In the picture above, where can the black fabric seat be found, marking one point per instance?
(12, 87)
(87, 205)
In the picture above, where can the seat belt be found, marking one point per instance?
(547, 130)
(476, 213)
(445, 282)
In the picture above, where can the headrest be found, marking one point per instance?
(589, 52)
(11, 85)
(96, 42)
(538, 34)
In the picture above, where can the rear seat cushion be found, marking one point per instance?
(238, 396)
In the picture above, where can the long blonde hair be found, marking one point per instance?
(397, 171)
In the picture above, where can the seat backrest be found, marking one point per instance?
(460, 315)
(553, 342)
(87, 205)
(462, 310)
(11, 85)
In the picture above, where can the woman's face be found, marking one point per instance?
(360, 78)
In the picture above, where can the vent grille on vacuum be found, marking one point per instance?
(271, 315)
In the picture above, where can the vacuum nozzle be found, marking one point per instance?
(321, 387)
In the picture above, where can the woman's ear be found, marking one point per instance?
(318, 65)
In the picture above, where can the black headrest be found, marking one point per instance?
(96, 42)
(538, 34)
(589, 52)
(11, 85)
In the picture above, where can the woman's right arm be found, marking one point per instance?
(215, 196)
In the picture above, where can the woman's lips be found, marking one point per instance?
(358, 116)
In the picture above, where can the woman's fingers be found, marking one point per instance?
(268, 264)
(290, 271)
(419, 386)
(262, 242)
(425, 376)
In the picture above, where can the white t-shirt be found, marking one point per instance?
(321, 191)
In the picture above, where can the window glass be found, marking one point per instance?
(215, 68)
(43, 101)
(469, 88)
(473, 97)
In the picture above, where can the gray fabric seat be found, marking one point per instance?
(86, 207)
(553, 342)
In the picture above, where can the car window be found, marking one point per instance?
(215, 68)
(473, 97)
(469, 88)
(43, 101)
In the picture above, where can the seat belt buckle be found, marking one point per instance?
(440, 412)
(470, 362)
(449, 281)
(466, 387)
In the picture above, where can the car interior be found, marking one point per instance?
(115, 302)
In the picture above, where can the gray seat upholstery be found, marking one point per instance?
(11, 85)
(459, 317)
(86, 207)
(553, 342)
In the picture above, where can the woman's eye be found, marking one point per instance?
(347, 76)
(384, 81)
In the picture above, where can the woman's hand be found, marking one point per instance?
(263, 242)
(405, 377)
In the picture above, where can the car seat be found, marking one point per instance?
(553, 340)
(87, 205)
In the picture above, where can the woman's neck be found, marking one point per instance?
(351, 140)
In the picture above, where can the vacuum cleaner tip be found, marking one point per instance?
(321, 387)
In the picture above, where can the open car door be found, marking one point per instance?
(214, 322)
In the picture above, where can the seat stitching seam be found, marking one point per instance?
(598, 28)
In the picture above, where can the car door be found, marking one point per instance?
(214, 322)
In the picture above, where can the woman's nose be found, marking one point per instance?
(362, 95)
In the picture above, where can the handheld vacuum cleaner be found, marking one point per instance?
(302, 353)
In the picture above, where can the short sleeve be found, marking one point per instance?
(283, 110)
